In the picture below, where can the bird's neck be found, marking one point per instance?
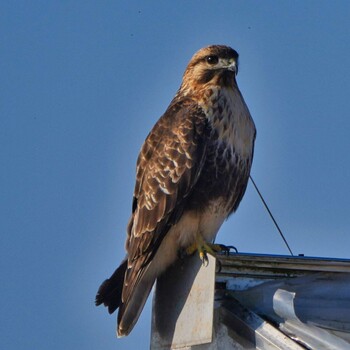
(216, 100)
(229, 118)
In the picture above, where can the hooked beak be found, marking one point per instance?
(233, 66)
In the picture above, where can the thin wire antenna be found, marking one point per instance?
(269, 211)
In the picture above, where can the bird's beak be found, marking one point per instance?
(232, 66)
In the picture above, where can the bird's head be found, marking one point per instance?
(212, 65)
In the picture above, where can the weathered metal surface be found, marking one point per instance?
(313, 309)
(251, 331)
(308, 298)
(259, 266)
(183, 305)
(306, 333)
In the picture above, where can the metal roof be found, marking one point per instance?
(252, 301)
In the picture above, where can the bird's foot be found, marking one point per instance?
(221, 248)
(213, 249)
(205, 248)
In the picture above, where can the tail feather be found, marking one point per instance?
(130, 312)
(110, 292)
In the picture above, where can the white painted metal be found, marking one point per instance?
(183, 305)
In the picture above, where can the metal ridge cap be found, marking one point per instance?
(277, 257)
(281, 264)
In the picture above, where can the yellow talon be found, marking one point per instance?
(205, 248)
(204, 257)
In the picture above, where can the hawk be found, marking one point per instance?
(192, 172)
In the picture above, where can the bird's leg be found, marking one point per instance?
(213, 249)
(201, 247)
(205, 248)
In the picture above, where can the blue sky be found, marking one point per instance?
(83, 82)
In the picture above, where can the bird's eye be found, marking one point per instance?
(212, 59)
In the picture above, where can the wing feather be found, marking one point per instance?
(168, 167)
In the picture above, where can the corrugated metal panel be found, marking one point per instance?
(309, 298)
(310, 309)
(249, 330)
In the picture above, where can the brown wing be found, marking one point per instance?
(168, 167)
